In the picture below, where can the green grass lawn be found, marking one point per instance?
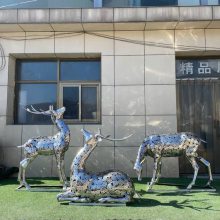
(24, 205)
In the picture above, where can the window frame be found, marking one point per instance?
(80, 85)
(60, 84)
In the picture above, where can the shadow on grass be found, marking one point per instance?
(31, 181)
(176, 193)
(141, 203)
(180, 184)
(173, 203)
(143, 192)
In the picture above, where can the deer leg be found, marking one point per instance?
(207, 164)
(156, 161)
(19, 173)
(125, 199)
(63, 172)
(195, 166)
(75, 199)
(158, 171)
(70, 196)
(58, 160)
(23, 165)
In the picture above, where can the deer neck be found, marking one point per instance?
(82, 156)
(62, 128)
(141, 153)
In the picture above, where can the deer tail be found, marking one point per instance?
(21, 146)
(203, 141)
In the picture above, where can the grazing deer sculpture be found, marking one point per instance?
(49, 145)
(106, 187)
(172, 145)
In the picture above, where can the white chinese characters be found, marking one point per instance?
(186, 68)
(204, 68)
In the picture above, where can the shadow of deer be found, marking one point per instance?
(56, 145)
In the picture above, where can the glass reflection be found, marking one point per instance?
(47, 4)
(36, 70)
(137, 3)
(71, 102)
(80, 70)
(38, 95)
(7, 4)
(89, 102)
(158, 2)
(197, 2)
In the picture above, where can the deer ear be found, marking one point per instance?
(99, 139)
(87, 135)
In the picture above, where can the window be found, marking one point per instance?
(197, 2)
(137, 3)
(49, 4)
(74, 84)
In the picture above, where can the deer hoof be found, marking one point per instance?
(102, 200)
(149, 188)
(20, 186)
(65, 188)
(189, 187)
(208, 184)
(27, 186)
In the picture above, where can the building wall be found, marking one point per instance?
(137, 89)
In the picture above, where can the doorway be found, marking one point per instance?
(198, 111)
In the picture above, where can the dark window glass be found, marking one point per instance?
(89, 102)
(71, 102)
(82, 70)
(38, 95)
(137, 3)
(36, 70)
(158, 2)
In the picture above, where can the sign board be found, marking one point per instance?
(197, 68)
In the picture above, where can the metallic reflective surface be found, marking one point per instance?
(170, 145)
(49, 145)
(106, 187)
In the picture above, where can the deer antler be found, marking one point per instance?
(117, 139)
(111, 139)
(41, 112)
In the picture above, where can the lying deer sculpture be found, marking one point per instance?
(172, 145)
(50, 145)
(107, 187)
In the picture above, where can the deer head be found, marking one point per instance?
(98, 137)
(55, 114)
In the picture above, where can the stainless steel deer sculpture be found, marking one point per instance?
(50, 145)
(107, 187)
(172, 145)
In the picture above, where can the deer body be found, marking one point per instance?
(48, 145)
(170, 145)
(108, 186)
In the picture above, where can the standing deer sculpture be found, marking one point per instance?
(49, 145)
(106, 187)
(172, 145)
